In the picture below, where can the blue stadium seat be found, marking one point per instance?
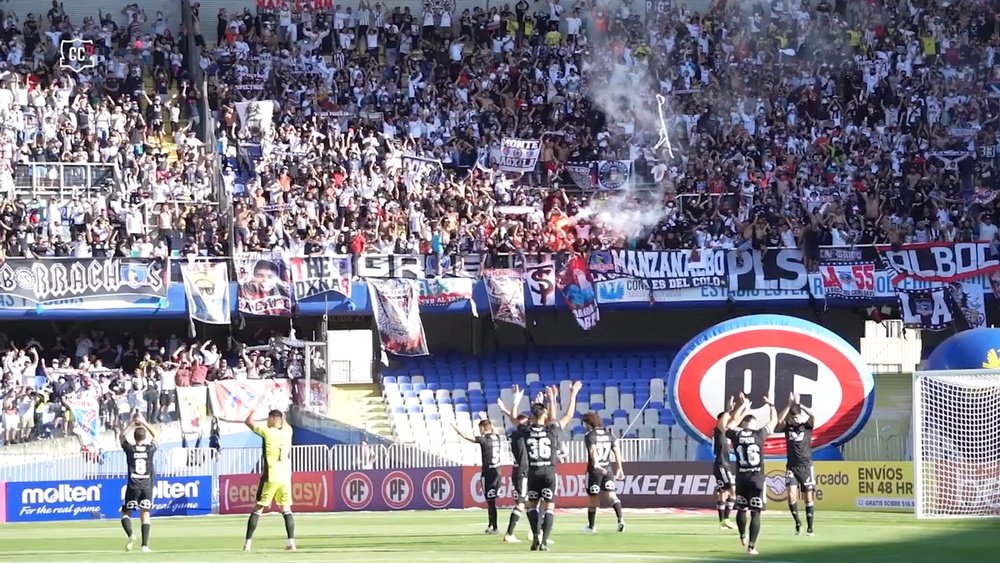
(461, 407)
(414, 410)
(386, 380)
(403, 380)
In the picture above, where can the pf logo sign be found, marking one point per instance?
(438, 489)
(774, 355)
(357, 491)
(397, 490)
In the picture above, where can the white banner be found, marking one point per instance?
(192, 408)
(505, 289)
(396, 304)
(519, 155)
(418, 170)
(206, 285)
(234, 401)
(541, 279)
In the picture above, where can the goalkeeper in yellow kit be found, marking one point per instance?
(276, 480)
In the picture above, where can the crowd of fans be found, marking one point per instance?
(792, 124)
(123, 372)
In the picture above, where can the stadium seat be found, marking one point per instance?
(418, 379)
(403, 380)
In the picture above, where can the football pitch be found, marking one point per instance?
(458, 536)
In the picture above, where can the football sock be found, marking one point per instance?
(741, 522)
(720, 507)
(547, 525)
(127, 525)
(810, 515)
(533, 521)
(145, 535)
(793, 507)
(252, 524)
(754, 528)
(591, 516)
(289, 524)
(515, 515)
(491, 507)
(729, 508)
(617, 507)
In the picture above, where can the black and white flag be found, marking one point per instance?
(419, 169)
(929, 309)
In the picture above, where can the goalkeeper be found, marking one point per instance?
(276, 481)
(796, 422)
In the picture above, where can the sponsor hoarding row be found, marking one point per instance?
(851, 486)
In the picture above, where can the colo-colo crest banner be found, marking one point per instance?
(41, 281)
(940, 261)
(666, 269)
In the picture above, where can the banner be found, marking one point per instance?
(312, 491)
(233, 400)
(519, 155)
(68, 281)
(192, 408)
(852, 486)
(396, 305)
(86, 416)
(264, 288)
(317, 275)
(928, 309)
(577, 288)
(665, 269)
(505, 290)
(970, 303)
(940, 261)
(206, 285)
(646, 485)
(442, 292)
(541, 280)
(847, 279)
(418, 266)
(400, 489)
(602, 174)
(418, 169)
(48, 501)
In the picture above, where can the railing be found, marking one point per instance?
(33, 180)
(179, 462)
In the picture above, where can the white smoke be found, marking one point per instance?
(626, 95)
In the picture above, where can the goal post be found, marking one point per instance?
(956, 443)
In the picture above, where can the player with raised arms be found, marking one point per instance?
(796, 421)
(519, 471)
(748, 441)
(276, 480)
(141, 473)
(722, 468)
(489, 445)
(602, 453)
(541, 437)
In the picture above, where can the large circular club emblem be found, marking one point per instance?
(774, 355)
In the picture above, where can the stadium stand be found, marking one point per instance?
(424, 396)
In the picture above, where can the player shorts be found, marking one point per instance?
(542, 485)
(271, 491)
(598, 482)
(750, 494)
(138, 498)
(491, 483)
(724, 478)
(801, 476)
(519, 484)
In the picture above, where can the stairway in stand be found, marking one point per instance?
(361, 406)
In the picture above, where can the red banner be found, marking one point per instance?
(312, 491)
(646, 485)
(234, 400)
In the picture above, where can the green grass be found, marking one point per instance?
(457, 536)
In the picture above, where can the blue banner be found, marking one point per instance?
(102, 498)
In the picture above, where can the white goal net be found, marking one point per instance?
(956, 443)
